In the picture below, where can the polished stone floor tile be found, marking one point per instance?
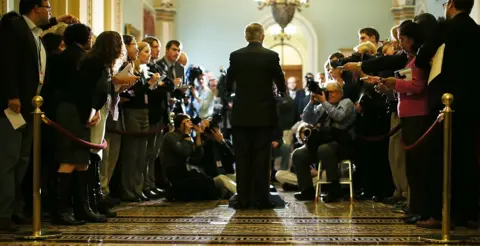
(304, 223)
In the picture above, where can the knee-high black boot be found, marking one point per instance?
(61, 214)
(83, 208)
(96, 194)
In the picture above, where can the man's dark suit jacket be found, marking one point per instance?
(253, 69)
(209, 160)
(179, 69)
(299, 98)
(19, 64)
(460, 62)
(165, 92)
(91, 88)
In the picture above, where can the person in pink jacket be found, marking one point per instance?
(410, 84)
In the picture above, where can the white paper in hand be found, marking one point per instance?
(122, 74)
(92, 114)
(437, 63)
(15, 119)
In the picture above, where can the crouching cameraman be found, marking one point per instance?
(327, 140)
(179, 149)
(218, 157)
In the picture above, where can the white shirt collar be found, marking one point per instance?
(34, 28)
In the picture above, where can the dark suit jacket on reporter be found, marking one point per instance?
(253, 69)
(19, 64)
(460, 62)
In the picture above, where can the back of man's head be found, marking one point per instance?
(254, 32)
(26, 6)
(77, 33)
(463, 5)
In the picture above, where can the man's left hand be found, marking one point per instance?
(217, 135)
(390, 82)
(320, 97)
(197, 129)
(352, 67)
(68, 19)
(275, 144)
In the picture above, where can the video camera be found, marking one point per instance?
(214, 121)
(193, 72)
(314, 87)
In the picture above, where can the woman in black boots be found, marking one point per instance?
(87, 93)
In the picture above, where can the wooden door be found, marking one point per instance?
(294, 71)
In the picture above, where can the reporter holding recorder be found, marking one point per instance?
(77, 114)
(413, 113)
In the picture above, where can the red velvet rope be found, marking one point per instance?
(396, 129)
(419, 140)
(381, 137)
(62, 130)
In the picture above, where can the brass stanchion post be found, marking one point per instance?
(37, 233)
(445, 237)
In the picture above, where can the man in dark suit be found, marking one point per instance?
(23, 73)
(459, 61)
(253, 70)
(174, 70)
(298, 95)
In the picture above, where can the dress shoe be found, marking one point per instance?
(289, 187)
(107, 212)
(363, 196)
(377, 199)
(110, 201)
(393, 200)
(331, 198)
(7, 226)
(413, 219)
(151, 194)
(400, 204)
(469, 224)
(240, 206)
(143, 197)
(20, 219)
(66, 218)
(430, 224)
(159, 191)
(306, 195)
(272, 188)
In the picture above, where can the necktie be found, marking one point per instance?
(172, 71)
(40, 67)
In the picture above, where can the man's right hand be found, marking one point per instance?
(15, 105)
(95, 120)
(154, 78)
(125, 80)
(358, 107)
(177, 81)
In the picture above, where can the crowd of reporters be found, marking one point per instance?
(168, 131)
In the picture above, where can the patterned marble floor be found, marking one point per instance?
(164, 223)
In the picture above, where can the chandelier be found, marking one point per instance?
(283, 10)
(285, 34)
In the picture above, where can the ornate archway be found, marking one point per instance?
(310, 52)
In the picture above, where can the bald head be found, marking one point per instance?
(183, 59)
(254, 33)
(292, 83)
